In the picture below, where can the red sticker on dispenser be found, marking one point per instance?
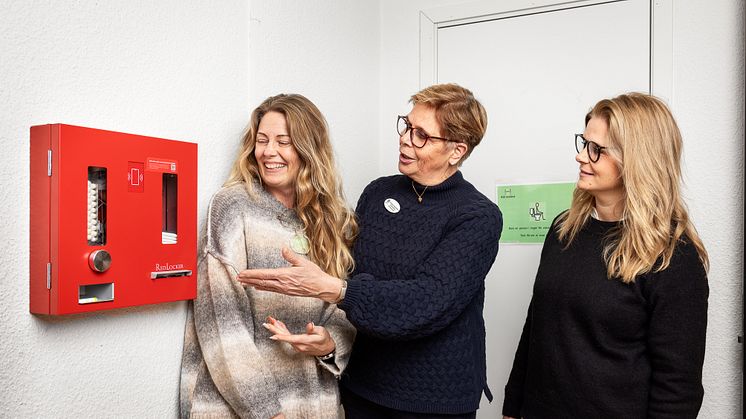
(155, 164)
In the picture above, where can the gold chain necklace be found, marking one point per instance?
(419, 195)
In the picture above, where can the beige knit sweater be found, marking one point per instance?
(230, 367)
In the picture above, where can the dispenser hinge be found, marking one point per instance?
(49, 276)
(49, 162)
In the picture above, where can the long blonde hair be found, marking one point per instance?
(319, 200)
(646, 144)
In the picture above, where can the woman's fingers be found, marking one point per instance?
(276, 326)
(261, 277)
(276, 329)
(302, 339)
(316, 341)
(292, 257)
(268, 278)
(303, 278)
(281, 280)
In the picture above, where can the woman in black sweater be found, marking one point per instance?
(617, 322)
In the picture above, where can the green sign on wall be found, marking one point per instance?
(528, 210)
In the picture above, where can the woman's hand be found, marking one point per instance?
(316, 341)
(304, 279)
(278, 416)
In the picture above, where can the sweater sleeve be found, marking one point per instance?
(677, 300)
(343, 334)
(444, 284)
(513, 402)
(222, 315)
(514, 388)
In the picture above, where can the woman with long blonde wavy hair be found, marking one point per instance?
(618, 318)
(252, 353)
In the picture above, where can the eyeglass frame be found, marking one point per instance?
(411, 129)
(598, 148)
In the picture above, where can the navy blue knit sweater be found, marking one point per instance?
(417, 294)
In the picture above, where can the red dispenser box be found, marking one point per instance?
(113, 220)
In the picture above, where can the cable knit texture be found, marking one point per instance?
(417, 295)
(594, 347)
(230, 367)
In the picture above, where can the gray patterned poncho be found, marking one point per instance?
(230, 367)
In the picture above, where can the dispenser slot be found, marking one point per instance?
(170, 209)
(95, 293)
(170, 274)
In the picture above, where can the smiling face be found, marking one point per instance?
(436, 161)
(277, 158)
(601, 179)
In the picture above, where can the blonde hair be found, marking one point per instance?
(319, 200)
(646, 144)
(460, 115)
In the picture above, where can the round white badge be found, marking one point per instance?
(391, 205)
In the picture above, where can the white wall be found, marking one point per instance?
(708, 91)
(708, 102)
(327, 51)
(169, 69)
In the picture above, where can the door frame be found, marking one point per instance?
(661, 32)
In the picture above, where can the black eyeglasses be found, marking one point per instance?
(594, 150)
(417, 136)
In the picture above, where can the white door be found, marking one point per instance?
(538, 72)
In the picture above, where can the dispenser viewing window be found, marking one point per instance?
(105, 210)
(170, 208)
(96, 208)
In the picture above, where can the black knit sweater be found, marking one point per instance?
(594, 347)
(417, 294)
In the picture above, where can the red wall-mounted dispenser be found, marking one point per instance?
(113, 220)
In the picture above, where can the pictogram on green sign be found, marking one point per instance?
(528, 210)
